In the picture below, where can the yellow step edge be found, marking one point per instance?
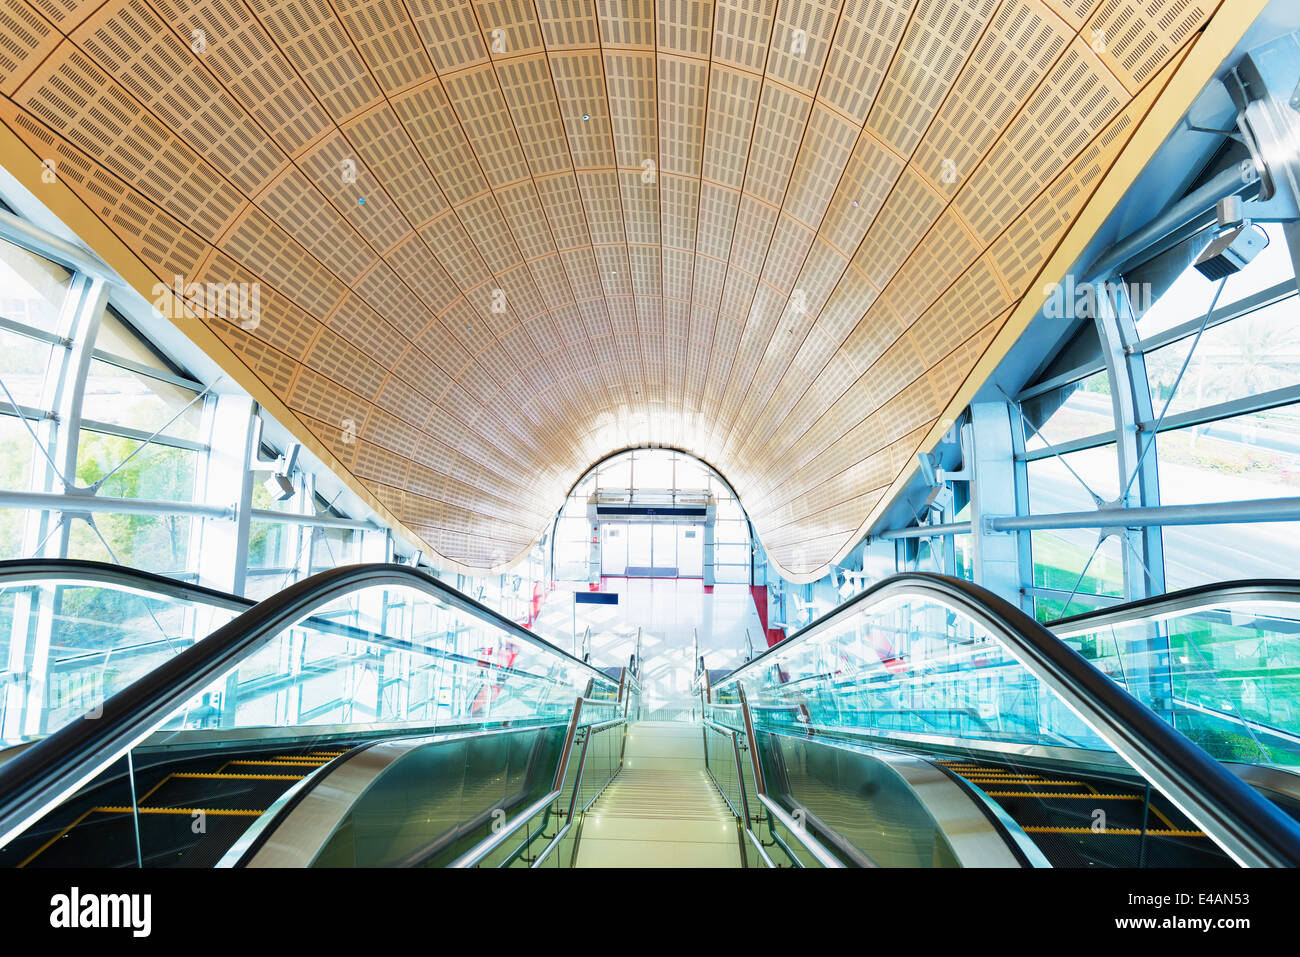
(219, 812)
(1080, 797)
(1120, 831)
(221, 775)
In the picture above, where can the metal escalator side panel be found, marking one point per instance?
(344, 817)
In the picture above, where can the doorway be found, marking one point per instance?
(651, 550)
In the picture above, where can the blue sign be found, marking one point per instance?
(595, 598)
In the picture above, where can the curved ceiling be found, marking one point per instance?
(495, 241)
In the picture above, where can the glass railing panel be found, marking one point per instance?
(907, 668)
(913, 674)
(444, 798)
(1226, 674)
(823, 784)
(324, 672)
(65, 647)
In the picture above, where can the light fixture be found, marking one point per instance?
(279, 485)
(1231, 251)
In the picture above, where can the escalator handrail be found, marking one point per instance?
(74, 570)
(49, 771)
(1250, 827)
(1198, 596)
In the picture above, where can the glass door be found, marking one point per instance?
(664, 539)
(613, 549)
(640, 550)
(690, 551)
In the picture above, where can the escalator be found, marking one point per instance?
(344, 722)
(1156, 735)
(189, 817)
(1082, 820)
(160, 724)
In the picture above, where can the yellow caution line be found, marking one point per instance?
(1039, 782)
(225, 812)
(206, 775)
(296, 762)
(1122, 831)
(46, 846)
(1080, 797)
(1156, 811)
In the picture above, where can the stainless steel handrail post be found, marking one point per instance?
(760, 785)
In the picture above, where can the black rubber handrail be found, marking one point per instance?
(1235, 590)
(58, 569)
(44, 774)
(1247, 825)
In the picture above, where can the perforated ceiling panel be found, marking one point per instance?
(496, 240)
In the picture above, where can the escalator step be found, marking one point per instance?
(105, 837)
(1122, 848)
(1114, 832)
(221, 791)
(189, 811)
(1055, 796)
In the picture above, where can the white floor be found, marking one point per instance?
(669, 612)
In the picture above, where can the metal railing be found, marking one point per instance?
(564, 804)
(751, 814)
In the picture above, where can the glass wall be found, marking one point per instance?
(662, 475)
(109, 447)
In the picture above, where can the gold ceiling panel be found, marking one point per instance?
(498, 239)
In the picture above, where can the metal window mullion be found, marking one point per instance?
(1147, 540)
(139, 368)
(1020, 480)
(33, 332)
(1079, 372)
(92, 301)
(1094, 441)
(1185, 330)
(78, 320)
(1129, 397)
(139, 435)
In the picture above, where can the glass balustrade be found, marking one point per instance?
(1225, 671)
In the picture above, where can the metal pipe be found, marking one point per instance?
(1205, 513)
(97, 503)
(484, 847)
(1187, 210)
(924, 531)
(760, 783)
(325, 521)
